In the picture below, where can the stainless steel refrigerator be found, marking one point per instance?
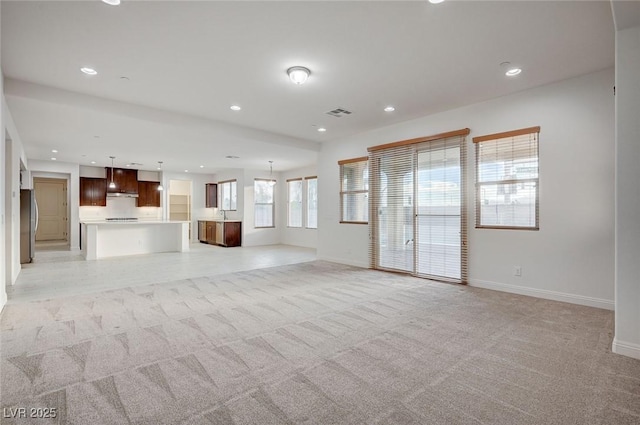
(28, 225)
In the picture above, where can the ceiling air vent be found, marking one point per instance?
(339, 112)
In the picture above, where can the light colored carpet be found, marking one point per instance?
(314, 343)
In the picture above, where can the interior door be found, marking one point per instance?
(51, 196)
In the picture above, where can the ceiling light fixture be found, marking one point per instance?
(322, 129)
(512, 72)
(430, 1)
(298, 74)
(272, 182)
(53, 159)
(88, 71)
(93, 162)
(111, 2)
(389, 109)
(202, 166)
(186, 171)
(160, 187)
(235, 108)
(54, 150)
(112, 185)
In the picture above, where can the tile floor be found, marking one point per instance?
(64, 273)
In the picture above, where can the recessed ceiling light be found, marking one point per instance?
(54, 150)
(53, 159)
(322, 129)
(430, 1)
(93, 162)
(111, 2)
(235, 107)
(186, 171)
(389, 109)
(202, 166)
(512, 72)
(88, 71)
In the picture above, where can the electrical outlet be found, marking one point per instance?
(517, 271)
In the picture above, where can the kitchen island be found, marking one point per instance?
(104, 239)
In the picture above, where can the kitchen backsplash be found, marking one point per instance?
(120, 208)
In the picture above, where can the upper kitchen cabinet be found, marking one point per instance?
(148, 194)
(126, 180)
(211, 195)
(93, 192)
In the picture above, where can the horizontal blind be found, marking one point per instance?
(312, 202)
(507, 180)
(294, 204)
(354, 190)
(264, 207)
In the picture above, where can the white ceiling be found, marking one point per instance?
(187, 62)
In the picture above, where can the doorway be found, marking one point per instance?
(53, 215)
(418, 219)
(180, 201)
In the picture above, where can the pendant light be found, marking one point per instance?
(112, 185)
(272, 182)
(160, 188)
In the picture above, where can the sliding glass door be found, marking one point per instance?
(438, 212)
(418, 221)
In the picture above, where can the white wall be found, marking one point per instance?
(3, 239)
(71, 172)
(15, 158)
(627, 280)
(571, 258)
(289, 235)
(262, 236)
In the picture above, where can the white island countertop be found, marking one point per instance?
(115, 238)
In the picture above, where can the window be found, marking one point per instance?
(312, 202)
(294, 203)
(228, 195)
(354, 190)
(507, 180)
(264, 207)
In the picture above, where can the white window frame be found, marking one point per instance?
(308, 202)
(232, 187)
(273, 204)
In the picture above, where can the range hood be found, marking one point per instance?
(121, 195)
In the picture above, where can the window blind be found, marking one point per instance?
(507, 180)
(354, 190)
(294, 202)
(417, 208)
(264, 207)
(312, 202)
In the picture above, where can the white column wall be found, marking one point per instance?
(627, 279)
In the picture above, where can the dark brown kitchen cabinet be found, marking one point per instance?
(93, 192)
(126, 180)
(148, 194)
(211, 195)
(223, 233)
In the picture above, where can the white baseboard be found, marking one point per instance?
(343, 261)
(626, 348)
(546, 294)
